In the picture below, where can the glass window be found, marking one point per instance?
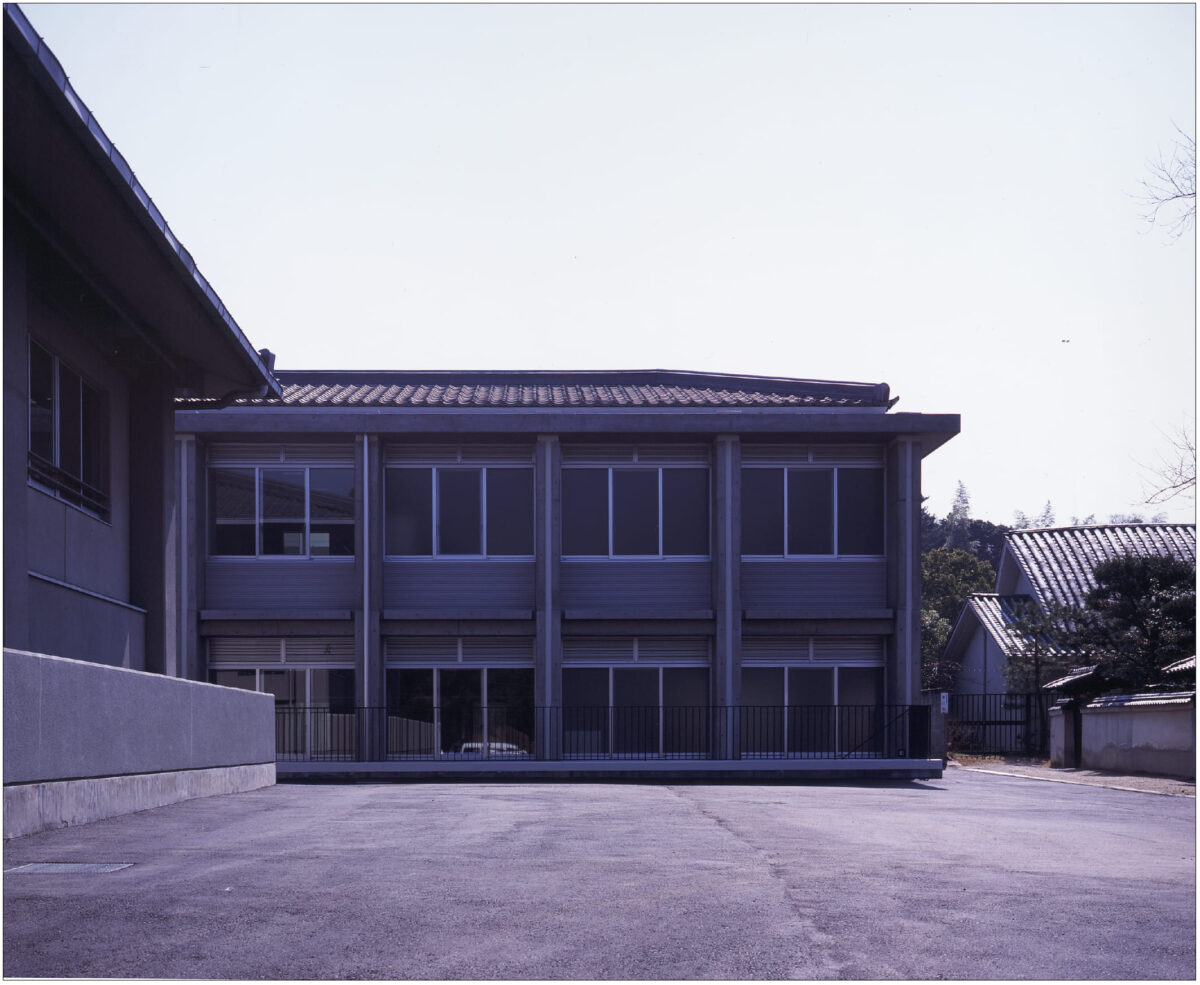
(283, 511)
(635, 711)
(460, 705)
(410, 719)
(685, 710)
(231, 512)
(244, 679)
(860, 511)
(510, 712)
(509, 511)
(409, 503)
(68, 433)
(811, 715)
(331, 511)
(685, 511)
(635, 511)
(810, 511)
(585, 511)
(459, 511)
(585, 711)
(41, 402)
(762, 511)
(762, 711)
(333, 689)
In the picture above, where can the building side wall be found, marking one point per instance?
(983, 666)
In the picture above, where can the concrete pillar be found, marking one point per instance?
(902, 681)
(368, 553)
(726, 691)
(547, 687)
(152, 514)
(190, 548)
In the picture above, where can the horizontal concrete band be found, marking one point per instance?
(33, 807)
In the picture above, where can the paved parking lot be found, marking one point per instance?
(971, 876)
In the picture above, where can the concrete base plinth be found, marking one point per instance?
(33, 807)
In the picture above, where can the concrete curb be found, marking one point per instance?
(1062, 779)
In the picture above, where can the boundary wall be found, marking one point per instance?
(86, 741)
(1128, 733)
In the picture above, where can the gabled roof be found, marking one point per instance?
(1058, 561)
(997, 615)
(561, 389)
(65, 178)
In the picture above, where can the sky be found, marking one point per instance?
(943, 198)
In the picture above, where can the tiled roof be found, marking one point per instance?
(1059, 561)
(622, 389)
(1180, 666)
(997, 613)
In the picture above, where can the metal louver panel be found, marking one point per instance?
(605, 650)
(505, 651)
(636, 585)
(292, 584)
(849, 649)
(775, 650)
(424, 650)
(326, 650)
(774, 454)
(586, 454)
(829, 584)
(479, 454)
(666, 650)
(499, 454)
(236, 650)
(431, 454)
(458, 585)
(270, 454)
(673, 455)
(843, 454)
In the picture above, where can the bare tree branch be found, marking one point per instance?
(1176, 472)
(1169, 194)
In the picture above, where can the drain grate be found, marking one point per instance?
(69, 867)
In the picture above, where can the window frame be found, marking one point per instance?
(659, 470)
(48, 475)
(258, 554)
(835, 554)
(483, 468)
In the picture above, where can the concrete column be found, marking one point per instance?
(16, 440)
(368, 553)
(902, 682)
(189, 472)
(152, 514)
(548, 549)
(726, 691)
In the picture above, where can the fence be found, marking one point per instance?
(603, 733)
(999, 724)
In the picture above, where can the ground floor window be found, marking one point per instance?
(460, 712)
(635, 712)
(798, 711)
(314, 706)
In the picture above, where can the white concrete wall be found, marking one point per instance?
(1147, 733)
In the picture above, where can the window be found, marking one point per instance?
(812, 511)
(635, 512)
(68, 434)
(280, 512)
(458, 511)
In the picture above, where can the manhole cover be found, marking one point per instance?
(70, 867)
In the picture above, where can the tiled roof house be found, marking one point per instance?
(1051, 566)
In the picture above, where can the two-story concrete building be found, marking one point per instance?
(453, 571)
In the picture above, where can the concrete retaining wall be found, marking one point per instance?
(84, 741)
(1132, 733)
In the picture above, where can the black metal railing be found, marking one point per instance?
(469, 733)
(1000, 724)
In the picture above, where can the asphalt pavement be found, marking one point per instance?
(976, 875)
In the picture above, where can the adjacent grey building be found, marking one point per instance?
(432, 568)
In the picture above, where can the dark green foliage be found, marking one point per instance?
(1140, 617)
(948, 577)
(936, 674)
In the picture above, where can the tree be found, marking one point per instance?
(936, 674)
(955, 525)
(1023, 521)
(1042, 638)
(1169, 194)
(1176, 472)
(948, 577)
(1140, 617)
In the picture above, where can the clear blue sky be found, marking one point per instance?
(937, 197)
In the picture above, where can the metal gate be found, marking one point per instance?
(1000, 724)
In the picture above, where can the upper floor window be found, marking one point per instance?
(269, 512)
(458, 511)
(68, 433)
(641, 512)
(812, 511)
